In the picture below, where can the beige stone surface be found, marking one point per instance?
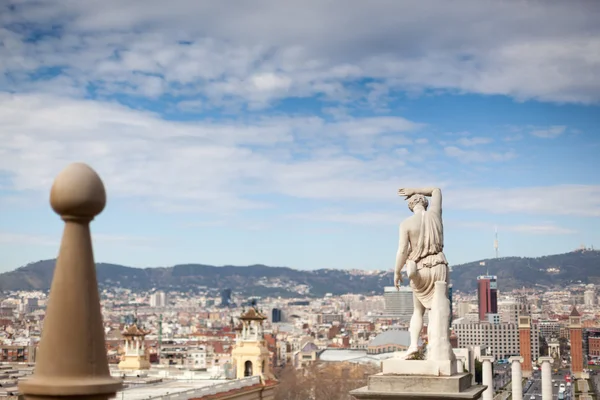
(382, 386)
(71, 359)
(418, 367)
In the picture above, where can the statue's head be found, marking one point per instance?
(416, 199)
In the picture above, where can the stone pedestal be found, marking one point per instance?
(423, 387)
(546, 363)
(517, 378)
(419, 367)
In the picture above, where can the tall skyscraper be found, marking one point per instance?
(487, 295)
(276, 315)
(158, 299)
(225, 297)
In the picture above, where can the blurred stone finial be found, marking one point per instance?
(72, 358)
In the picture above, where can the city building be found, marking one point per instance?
(575, 333)
(158, 299)
(390, 341)
(135, 357)
(250, 355)
(589, 297)
(510, 310)
(501, 340)
(398, 302)
(549, 329)
(463, 308)
(225, 297)
(526, 347)
(487, 295)
(276, 315)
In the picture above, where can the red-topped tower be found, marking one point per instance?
(525, 344)
(576, 343)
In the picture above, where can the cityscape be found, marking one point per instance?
(299, 200)
(168, 342)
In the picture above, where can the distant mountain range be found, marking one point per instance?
(260, 280)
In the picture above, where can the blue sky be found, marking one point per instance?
(279, 133)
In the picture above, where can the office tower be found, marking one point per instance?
(276, 315)
(398, 302)
(501, 340)
(487, 296)
(225, 297)
(158, 299)
(589, 297)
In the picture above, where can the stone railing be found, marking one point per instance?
(210, 390)
(71, 360)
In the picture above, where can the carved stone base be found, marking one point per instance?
(397, 387)
(419, 367)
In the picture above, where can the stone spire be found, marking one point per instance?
(71, 359)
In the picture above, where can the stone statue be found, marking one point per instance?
(421, 250)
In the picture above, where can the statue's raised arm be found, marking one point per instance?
(433, 192)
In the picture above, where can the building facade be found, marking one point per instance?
(487, 295)
(398, 302)
(502, 340)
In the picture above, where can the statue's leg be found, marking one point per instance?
(416, 324)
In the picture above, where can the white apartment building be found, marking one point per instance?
(398, 302)
(589, 297)
(197, 358)
(510, 310)
(501, 339)
(463, 308)
(158, 299)
(549, 328)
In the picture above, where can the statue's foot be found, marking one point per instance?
(409, 353)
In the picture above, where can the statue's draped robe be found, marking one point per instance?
(427, 254)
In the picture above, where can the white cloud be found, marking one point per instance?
(474, 141)
(358, 218)
(185, 166)
(550, 132)
(268, 51)
(477, 156)
(14, 238)
(575, 200)
(535, 229)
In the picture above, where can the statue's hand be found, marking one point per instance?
(406, 192)
(398, 280)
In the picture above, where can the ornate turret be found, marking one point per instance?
(135, 357)
(250, 355)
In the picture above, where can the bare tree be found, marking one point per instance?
(323, 381)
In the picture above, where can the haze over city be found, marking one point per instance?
(279, 133)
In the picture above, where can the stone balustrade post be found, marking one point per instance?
(460, 364)
(517, 377)
(487, 377)
(546, 377)
(71, 360)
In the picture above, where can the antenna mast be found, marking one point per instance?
(496, 242)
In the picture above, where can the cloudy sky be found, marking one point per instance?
(278, 132)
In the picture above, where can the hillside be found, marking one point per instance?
(261, 280)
